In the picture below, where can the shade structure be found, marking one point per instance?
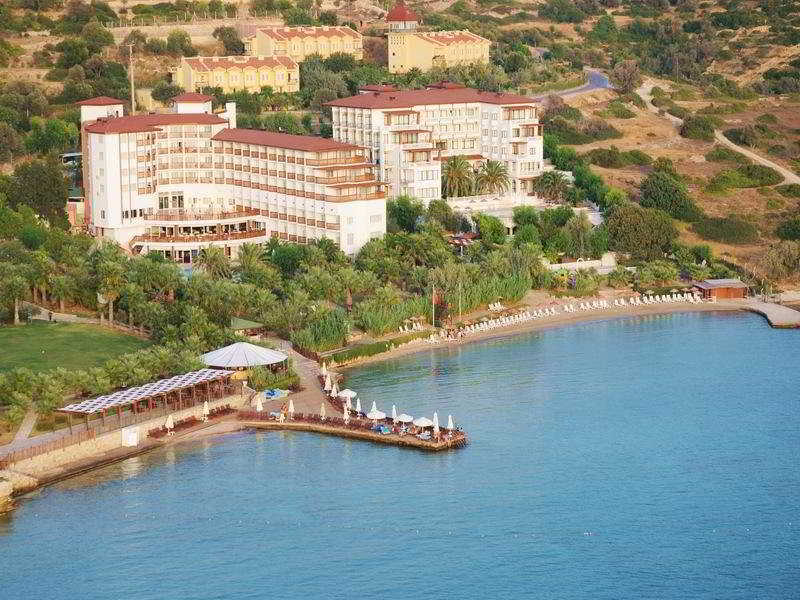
(259, 405)
(358, 405)
(347, 393)
(450, 424)
(205, 408)
(243, 355)
(322, 410)
(435, 424)
(423, 422)
(170, 424)
(334, 390)
(404, 418)
(327, 385)
(376, 415)
(394, 413)
(291, 407)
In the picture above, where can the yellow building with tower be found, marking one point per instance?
(298, 43)
(231, 73)
(410, 48)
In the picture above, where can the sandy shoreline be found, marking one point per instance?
(561, 320)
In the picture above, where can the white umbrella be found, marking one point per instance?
(170, 424)
(358, 405)
(322, 411)
(346, 415)
(423, 422)
(374, 407)
(394, 413)
(435, 424)
(450, 424)
(348, 404)
(327, 386)
(259, 405)
(334, 390)
(376, 415)
(205, 408)
(347, 393)
(404, 418)
(323, 370)
(291, 407)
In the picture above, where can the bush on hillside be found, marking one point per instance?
(698, 128)
(790, 190)
(789, 229)
(724, 154)
(613, 158)
(729, 230)
(661, 190)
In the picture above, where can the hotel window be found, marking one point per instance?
(350, 239)
(376, 218)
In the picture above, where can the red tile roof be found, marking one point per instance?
(287, 33)
(445, 85)
(308, 143)
(377, 88)
(209, 63)
(100, 101)
(136, 123)
(400, 12)
(409, 98)
(193, 97)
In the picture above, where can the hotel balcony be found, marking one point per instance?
(172, 240)
(172, 216)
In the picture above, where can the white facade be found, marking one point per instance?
(176, 183)
(410, 140)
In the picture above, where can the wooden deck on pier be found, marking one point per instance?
(778, 316)
(408, 441)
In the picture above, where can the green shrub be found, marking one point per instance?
(730, 230)
(767, 118)
(619, 110)
(698, 128)
(760, 174)
(744, 176)
(789, 229)
(262, 378)
(374, 348)
(724, 154)
(613, 158)
(790, 190)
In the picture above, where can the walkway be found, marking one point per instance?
(646, 92)
(595, 81)
(781, 317)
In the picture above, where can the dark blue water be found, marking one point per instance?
(642, 458)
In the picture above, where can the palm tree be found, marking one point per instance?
(249, 256)
(492, 178)
(62, 288)
(551, 185)
(14, 289)
(213, 261)
(457, 179)
(112, 279)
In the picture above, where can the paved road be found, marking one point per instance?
(646, 92)
(595, 81)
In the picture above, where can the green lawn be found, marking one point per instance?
(41, 346)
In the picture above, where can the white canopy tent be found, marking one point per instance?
(243, 355)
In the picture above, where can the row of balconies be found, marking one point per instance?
(203, 237)
(179, 214)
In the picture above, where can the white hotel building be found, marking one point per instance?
(411, 132)
(181, 181)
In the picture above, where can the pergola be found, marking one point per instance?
(176, 393)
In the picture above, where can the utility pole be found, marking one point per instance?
(130, 72)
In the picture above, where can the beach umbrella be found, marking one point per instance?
(334, 390)
(348, 404)
(374, 407)
(291, 407)
(347, 393)
(423, 422)
(358, 405)
(450, 424)
(346, 415)
(322, 411)
(327, 386)
(170, 424)
(404, 418)
(394, 414)
(323, 370)
(376, 415)
(435, 424)
(259, 405)
(205, 408)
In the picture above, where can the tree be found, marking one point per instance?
(74, 51)
(231, 42)
(578, 229)
(644, 233)
(165, 91)
(41, 184)
(61, 289)
(111, 280)
(179, 43)
(658, 272)
(340, 62)
(457, 179)
(625, 76)
(213, 261)
(12, 286)
(492, 178)
(527, 234)
(525, 215)
(96, 36)
(491, 229)
(403, 213)
(10, 142)
(53, 135)
(660, 190)
(551, 186)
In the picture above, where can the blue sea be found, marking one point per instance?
(641, 458)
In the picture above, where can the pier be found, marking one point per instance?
(778, 316)
(355, 429)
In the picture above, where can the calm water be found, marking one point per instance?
(642, 458)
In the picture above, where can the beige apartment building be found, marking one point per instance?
(298, 43)
(410, 48)
(232, 73)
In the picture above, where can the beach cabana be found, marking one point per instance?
(243, 355)
(246, 327)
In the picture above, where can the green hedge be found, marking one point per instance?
(372, 349)
(730, 230)
(790, 190)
